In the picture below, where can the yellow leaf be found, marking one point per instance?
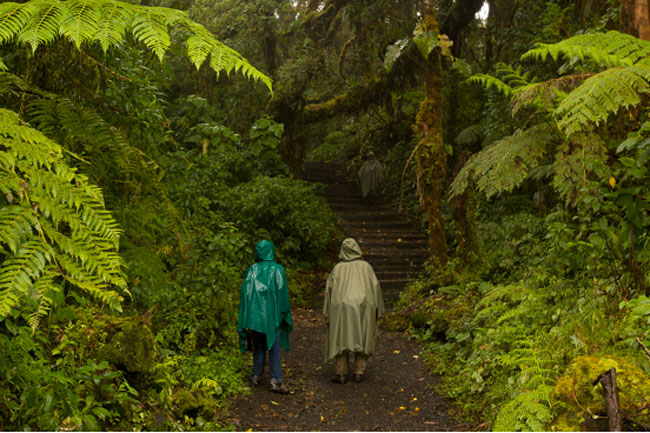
(322, 418)
(416, 357)
(612, 181)
(250, 429)
(415, 399)
(395, 351)
(402, 408)
(417, 409)
(274, 403)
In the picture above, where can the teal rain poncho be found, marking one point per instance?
(353, 303)
(371, 175)
(264, 300)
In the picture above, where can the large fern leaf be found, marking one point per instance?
(56, 217)
(43, 26)
(39, 22)
(504, 164)
(80, 20)
(609, 49)
(13, 17)
(602, 95)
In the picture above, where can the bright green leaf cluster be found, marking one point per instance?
(39, 22)
(55, 225)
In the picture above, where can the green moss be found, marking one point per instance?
(580, 398)
(192, 404)
(125, 342)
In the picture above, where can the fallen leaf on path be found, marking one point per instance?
(322, 418)
(402, 408)
(415, 399)
(319, 368)
(395, 351)
(274, 403)
(343, 411)
(250, 429)
(416, 357)
(417, 409)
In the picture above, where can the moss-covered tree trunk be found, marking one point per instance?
(431, 154)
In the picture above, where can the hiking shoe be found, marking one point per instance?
(340, 378)
(357, 377)
(279, 388)
(256, 381)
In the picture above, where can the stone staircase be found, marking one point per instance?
(391, 243)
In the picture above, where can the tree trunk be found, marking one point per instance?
(635, 18)
(431, 154)
(465, 219)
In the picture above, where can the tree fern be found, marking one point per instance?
(610, 49)
(602, 95)
(39, 22)
(55, 223)
(504, 164)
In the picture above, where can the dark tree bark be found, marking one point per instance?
(462, 13)
(610, 393)
(635, 18)
(465, 218)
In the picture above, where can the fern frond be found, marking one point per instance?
(602, 95)
(18, 272)
(17, 224)
(611, 49)
(489, 82)
(470, 135)
(39, 22)
(150, 24)
(13, 18)
(43, 26)
(114, 17)
(504, 164)
(56, 217)
(528, 411)
(578, 163)
(80, 20)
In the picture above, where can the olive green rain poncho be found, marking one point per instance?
(371, 175)
(264, 300)
(353, 303)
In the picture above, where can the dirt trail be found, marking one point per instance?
(397, 393)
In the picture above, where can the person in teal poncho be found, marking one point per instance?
(265, 315)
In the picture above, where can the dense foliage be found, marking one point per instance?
(135, 184)
(128, 217)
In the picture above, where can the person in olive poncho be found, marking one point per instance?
(265, 315)
(371, 175)
(353, 304)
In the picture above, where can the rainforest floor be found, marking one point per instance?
(397, 393)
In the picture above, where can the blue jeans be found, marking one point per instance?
(259, 356)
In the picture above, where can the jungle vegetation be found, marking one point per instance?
(146, 146)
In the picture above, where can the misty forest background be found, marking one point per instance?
(146, 147)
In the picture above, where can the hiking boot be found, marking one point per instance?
(357, 377)
(279, 388)
(340, 378)
(256, 381)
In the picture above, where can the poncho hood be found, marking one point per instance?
(350, 250)
(264, 251)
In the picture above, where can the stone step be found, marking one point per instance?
(364, 226)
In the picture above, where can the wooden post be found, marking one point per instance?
(610, 393)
